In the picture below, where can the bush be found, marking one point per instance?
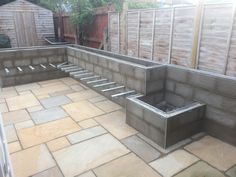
(5, 41)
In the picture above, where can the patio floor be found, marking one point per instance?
(60, 128)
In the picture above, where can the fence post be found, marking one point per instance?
(153, 33)
(171, 34)
(127, 34)
(108, 33)
(229, 40)
(124, 28)
(197, 33)
(138, 37)
(118, 14)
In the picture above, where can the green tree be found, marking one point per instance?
(54, 5)
(83, 12)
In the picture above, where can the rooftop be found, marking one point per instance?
(61, 128)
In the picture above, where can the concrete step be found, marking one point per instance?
(108, 88)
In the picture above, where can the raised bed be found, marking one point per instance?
(162, 121)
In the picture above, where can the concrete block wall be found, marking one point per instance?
(216, 91)
(155, 79)
(163, 128)
(13, 58)
(146, 121)
(130, 74)
(117, 56)
(184, 125)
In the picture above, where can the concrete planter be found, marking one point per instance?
(164, 123)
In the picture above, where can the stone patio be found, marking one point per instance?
(60, 128)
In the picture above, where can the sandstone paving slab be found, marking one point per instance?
(7, 89)
(52, 172)
(58, 144)
(51, 81)
(45, 132)
(8, 94)
(87, 174)
(141, 148)
(40, 97)
(69, 81)
(49, 84)
(162, 150)
(64, 92)
(126, 166)
(27, 87)
(35, 108)
(108, 106)
(232, 172)
(2, 100)
(55, 101)
(84, 156)
(15, 117)
(14, 147)
(87, 123)
(50, 89)
(3, 108)
(31, 161)
(200, 169)
(77, 87)
(10, 133)
(214, 151)
(173, 163)
(25, 124)
(86, 134)
(97, 99)
(115, 123)
(83, 95)
(82, 110)
(25, 92)
(22, 102)
(48, 115)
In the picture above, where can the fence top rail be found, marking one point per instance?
(162, 8)
(112, 12)
(179, 7)
(214, 4)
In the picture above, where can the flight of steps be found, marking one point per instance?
(110, 89)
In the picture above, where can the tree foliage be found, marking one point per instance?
(83, 10)
(142, 5)
(54, 5)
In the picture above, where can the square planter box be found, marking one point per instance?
(164, 123)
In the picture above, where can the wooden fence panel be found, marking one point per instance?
(168, 38)
(114, 32)
(231, 64)
(146, 30)
(162, 35)
(133, 33)
(182, 38)
(214, 35)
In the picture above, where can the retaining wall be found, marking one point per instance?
(218, 92)
(143, 77)
(24, 57)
